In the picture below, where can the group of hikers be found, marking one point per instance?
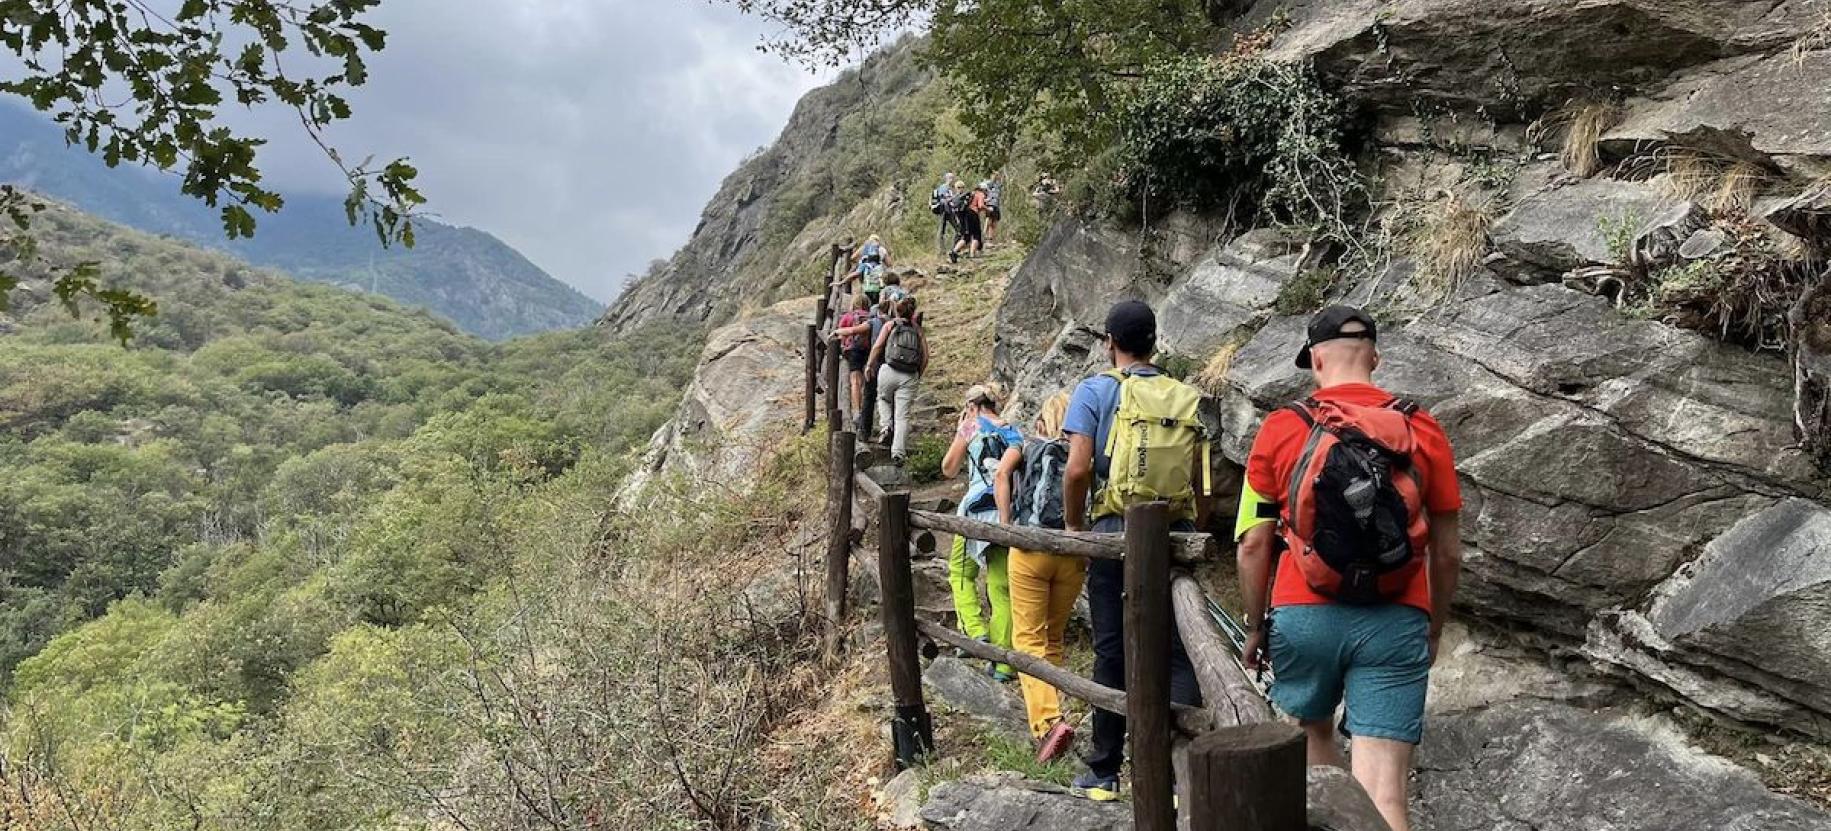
(1347, 530)
(884, 347)
(972, 213)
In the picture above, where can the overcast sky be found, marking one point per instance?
(586, 133)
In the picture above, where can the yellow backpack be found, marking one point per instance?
(1152, 445)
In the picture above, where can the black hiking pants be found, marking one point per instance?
(1106, 603)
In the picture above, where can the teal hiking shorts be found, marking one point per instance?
(1376, 659)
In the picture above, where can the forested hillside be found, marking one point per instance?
(227, 550)
(464, 274)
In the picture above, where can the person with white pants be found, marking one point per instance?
(898, 370)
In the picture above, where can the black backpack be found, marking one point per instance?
(903, 352)
(1037, 491)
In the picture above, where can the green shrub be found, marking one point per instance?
(924, 463)
(1201, 132)
(1306, 292)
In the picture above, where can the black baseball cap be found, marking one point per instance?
(1132, 323)
(1327, 325)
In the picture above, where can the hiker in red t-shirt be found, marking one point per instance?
(1352, 494)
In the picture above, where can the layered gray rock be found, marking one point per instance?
(1009, 803)
(1564, 225)
(1524, 766)
(1767, 108)
(1597, 453)
(964, 685)
(1474, 54)
(1755, 605)
(1231, 287)
(745, 394)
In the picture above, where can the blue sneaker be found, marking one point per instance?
(1095, 787)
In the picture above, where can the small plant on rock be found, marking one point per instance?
(1306, 292)
(1618, 230)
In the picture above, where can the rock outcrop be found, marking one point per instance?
(1475, 55)
(1523, 766)
(1009, 803)
(746, 393)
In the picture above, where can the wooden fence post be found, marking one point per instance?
(1248, 778)
(813, 345)
(833, 360)
(911, 733)
(841, 449)
(1148, 629)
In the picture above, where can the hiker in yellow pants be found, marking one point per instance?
(1043, 590)
(1044, 586)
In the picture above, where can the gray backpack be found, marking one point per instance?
(903, 352)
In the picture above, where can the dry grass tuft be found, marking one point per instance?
(1719, 183)
(1736, 191)
(1213, 376)
(1449, 242)
(1817, 38)
(1587, 121)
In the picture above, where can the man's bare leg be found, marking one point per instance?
(1322, 745)
(1383, 767)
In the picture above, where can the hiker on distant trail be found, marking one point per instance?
(969, 205)
(881, 314)
(1362, 487)
(1043, 193)
(893, 288)
(1044, 586)
(1135, 433)
(870, 262)
(994, 197)
(940, 203)
(898, 360)
(854, 328)
(953, 207)
(980, 442)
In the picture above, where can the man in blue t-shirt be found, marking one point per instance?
(1131, 339)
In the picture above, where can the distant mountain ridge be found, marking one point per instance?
(477, 281)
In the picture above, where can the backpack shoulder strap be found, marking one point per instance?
(1304, 410)
(1405, 406)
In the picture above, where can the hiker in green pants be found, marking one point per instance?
(963, 577)
(979, 443)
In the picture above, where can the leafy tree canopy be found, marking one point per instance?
(1050, 66)
(141, 82)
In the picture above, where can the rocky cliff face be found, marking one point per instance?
(1635, 491)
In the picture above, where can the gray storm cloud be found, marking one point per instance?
(586, 133)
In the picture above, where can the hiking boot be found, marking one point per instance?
(1054, 743)
(898, 460)
(953, 256)
(1098, 788)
